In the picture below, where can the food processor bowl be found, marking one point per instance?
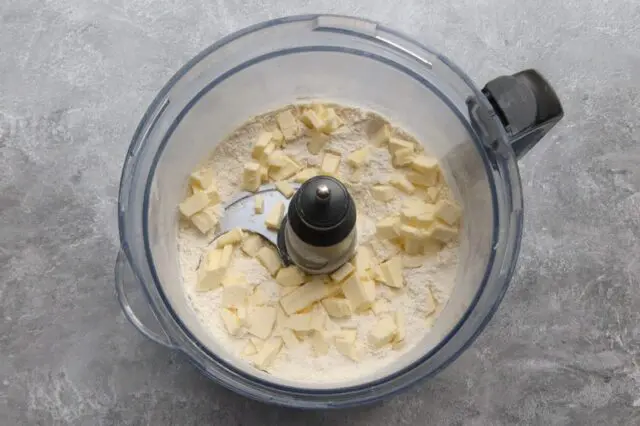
(476, 135)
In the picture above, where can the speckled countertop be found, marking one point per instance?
(75, 78)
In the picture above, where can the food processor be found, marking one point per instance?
(476, 135)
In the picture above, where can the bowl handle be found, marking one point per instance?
(126, 277)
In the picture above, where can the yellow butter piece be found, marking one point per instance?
(305, 175)
(299, 322)
(382, 332)
(330, 163)
(249, 349)
(364, 261)
(337, 307)
(270, 259)
(251, 245)
(270, 350)
(277, 137)
(289, 338)
(306, 294)
(401, 182)
(312, 120)
(211, 191)
(316, 142)
(342, 273)
(202, 178)
(381, 137)
(419, 179)
(392, 272)
(288, 168)
(211, 272)
(432, 193)
(261, 144)
(413, 246)
(290, 276)
(447, 211)
(387, 228)
(285, 188)
(227, 253)
(262, 320)
(235, 296)
(193, 204)
(251, 178)
(232, 237)
(231, 321)
(290, 127)
(381, 306)
(332, 121)
(320, 342)
(401, 329)
(396, 144)
(425, 165)
(442, 232)
(402, 157)
(258, 297)
(359, 293)
(205, 220)
(382, 192)
(384, 249)
(258, 206)
(275, 216)
(264, 173)
(359, 157)
(345, 343)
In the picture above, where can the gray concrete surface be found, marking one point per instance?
(75, 78)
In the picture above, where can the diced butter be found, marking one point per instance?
(270, 148)
(290, 276)
(205, 220)
(277, 137)
(359, 157)
(442, 232)
(289, 338)
(359, 294)
(396, 144)
(345, 343)
(193, 204)
(364, 261)
(231, 321)
(384, 249)
(432, 193)
(316, 142)
(447, 211)
(234, 278)
(401, 182)
(332, 121)
(202, 178)
(258, 297)
(258, 206)
(270, 259)
(381, 137)
(305, 175)
(382, 332)
(251, 177)
(413, 246)
(263, 141)
(289, 125)
(387, 228)
(264, 173)
(425, 165)
(232, 237)
(408, 231)
(275, 216)
(311, 119)
(318, 318)
(261, 320)
(330, 163)
(402, 157)
(381, 306)
(225, 259)
(342, 272)
(412, 262)
(289, 168)
(401, 331)
(257, 342)
(285, 188)
(392, 272)
(299, 322)
(420, 179)
(268, 353)
(211, 272)
(235, 296)
(307, 294)
(320, 342)
(382, 192)
(211, 191)
(277, 159)
(337, 307)
(252, 244)
(249, 349)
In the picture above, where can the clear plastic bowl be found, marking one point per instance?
(347, 61)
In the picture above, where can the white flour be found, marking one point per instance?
(437, 273)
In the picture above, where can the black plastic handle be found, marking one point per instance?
(527, 106)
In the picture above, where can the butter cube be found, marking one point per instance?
(261, 321)
(421, 179)
(264, 173)
(320, 342)
(425, 165)
(381, 306)
(305, 175)
(413, 246)
(289, 338)
(381, 137)
(193, 204)
(211, 191)
(401, 329)
(249, 349)
(277, 159)
(275, 216)
(306, 294)
(234, 278)
(447, 211)
(432, 193)
(401, 182)
(232, 237)
(442, 232)
(258, 206)
(402, 157)
(289, 168)
(384, 249)
(251, 178)
(396, 144)
(265, 357)
(387, 228)
(258, 297)
(202, 178)
(225, 259)
(211, 272)
(312, 120)
(285, 188)
(289, 125)
(268, 150)
(359, 157)
(346, 345)
(330, 163)
(392, 272)
(337, 307)
(364, 261)
(231, 321)
(204, 220)
(412, 262)
(277, 137)
(342, 272)
(333, 122)
(270, 259)
(382, 192)
(317, 142)
(359, 294)
(263, 141)
(290, 276)
(383, 332)
(299, 322)
(318, 318)
(408, 231)
(235, 296)
(251, 245)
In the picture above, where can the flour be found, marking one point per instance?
(436, 273)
